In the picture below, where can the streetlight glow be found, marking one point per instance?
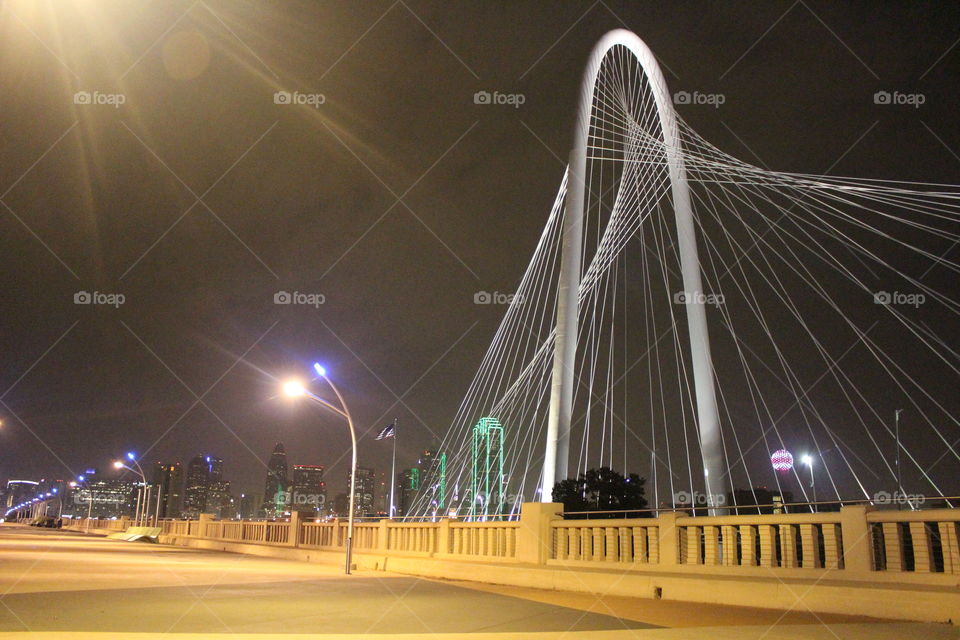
(807, 460)
(294, 388)
(118, 464)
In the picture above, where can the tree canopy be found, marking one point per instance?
(601, 489)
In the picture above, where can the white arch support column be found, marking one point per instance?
(555, 466)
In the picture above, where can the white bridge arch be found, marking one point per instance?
(556, 456)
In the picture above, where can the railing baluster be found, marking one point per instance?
(949, 544)
(788, 546)
(922, 548)
(768, 554)
(711, 555)
(810, 543)
(729, 536)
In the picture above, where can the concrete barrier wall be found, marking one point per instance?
(902, 565)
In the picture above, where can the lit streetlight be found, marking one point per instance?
(295, 389)
(143, 494)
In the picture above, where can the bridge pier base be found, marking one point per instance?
(857, 538)
(534, 544)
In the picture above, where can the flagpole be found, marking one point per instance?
(393, 469)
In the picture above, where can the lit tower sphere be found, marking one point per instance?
(782, 460)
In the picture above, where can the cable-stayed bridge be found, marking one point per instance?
(685, 314)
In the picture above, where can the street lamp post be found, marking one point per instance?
(143, 495)
(294, 388)
(808, 460)
(156, 513)
(89, 502)
(60, 501)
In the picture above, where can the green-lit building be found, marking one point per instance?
(487, 480)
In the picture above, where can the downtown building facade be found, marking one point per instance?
(277, 482)
(407, 488)
(487, 479)
(364, 493)
(205, 490)
(300, 487)
(168, 484)
(433, 480)
(308, 492)
(102, 498)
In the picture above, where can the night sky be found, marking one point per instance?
(397, 199)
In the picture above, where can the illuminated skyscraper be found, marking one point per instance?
(202, 473)
(309, 492)
(408, 484)
(487, 480)
(220, 502)
(274, 493)
(105, 498)
(433, 479)
(365, 491)
(168, 481)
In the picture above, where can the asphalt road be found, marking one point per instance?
(60, 584)
(66, 582)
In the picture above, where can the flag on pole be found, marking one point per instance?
(388, 431)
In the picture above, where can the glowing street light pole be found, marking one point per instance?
(295, 389)
(147, 490)
(60, 501)
(89, 501)
(143, 495)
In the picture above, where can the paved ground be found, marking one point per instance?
(61, 584)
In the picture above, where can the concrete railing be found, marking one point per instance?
(489, 540)
(808, 541)
(918, 541)
(855, 538)
(630, 540)
(419, 538)
(98, 524)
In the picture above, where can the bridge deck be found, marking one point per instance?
(59, 584)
